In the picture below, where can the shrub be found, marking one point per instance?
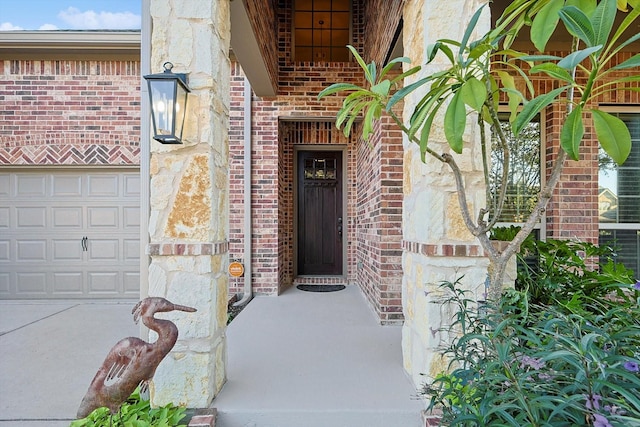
(134, 412)
(522, 364)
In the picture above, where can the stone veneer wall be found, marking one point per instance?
(188, 225)
(437, 245)
(69, 112)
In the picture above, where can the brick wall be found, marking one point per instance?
(379, 220)
(262, 14)
(69, 112)
(572, 213)
(294, 117)
(380, 28)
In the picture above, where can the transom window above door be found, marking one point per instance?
(322, 30)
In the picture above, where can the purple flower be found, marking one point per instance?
(532, 362)
(593, 402)
(600, 421)
(614, 410)
(637, 286)
(631, 366)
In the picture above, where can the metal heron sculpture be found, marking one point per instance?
(132, 361)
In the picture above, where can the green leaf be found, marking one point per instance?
(392, 64)
(533, 107)
(578, 24)
(572, 133)
(382, 88)
(534, 58)
(426, 130)
(626, 22)
(515, 97)
(363, 65)
(552, 70)
(406, 74)
(545, 23)
(337, 87)
(572, 60)
(467, 34)
(632, 62)
(602, 20)
(587, 6)
(400, 94)
(455, 119)
(474, 93)
(613, 135)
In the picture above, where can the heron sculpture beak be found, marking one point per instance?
(184, 308)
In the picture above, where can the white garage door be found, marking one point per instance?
(69, 234)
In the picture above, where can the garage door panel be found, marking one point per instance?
(103, 217)
(103, 250)
(31, 250)
(65, 250)
(30, 185)
(131, 250)
(66, 186)
(31, 217)
(68, 283)
(131, 186)
(102, 186)
(44, 216)
(32, 284)
(131, 283)
(102, 282)
(131, 218)
(5, 250)
(68, 216)
(4, 218)
(5, 285)
(5, 184)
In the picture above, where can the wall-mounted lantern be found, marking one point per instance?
(168, 95)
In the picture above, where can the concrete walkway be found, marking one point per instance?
(300, 359)
(49, 353)
(308, 359)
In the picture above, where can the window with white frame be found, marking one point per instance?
(619, 198)
(524, 178)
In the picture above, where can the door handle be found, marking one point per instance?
(85, 245)
(340, 226)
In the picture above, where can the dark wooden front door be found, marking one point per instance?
(320, 222)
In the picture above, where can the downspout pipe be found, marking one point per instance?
(248, 229)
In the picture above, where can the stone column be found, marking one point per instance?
(436, 243)
(189, 200)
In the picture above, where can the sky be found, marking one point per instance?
(69, 15)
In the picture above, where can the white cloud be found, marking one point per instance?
(47, 27)
(91, 20)
(8, 26)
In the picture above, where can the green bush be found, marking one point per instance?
(522, 364)
(135, 412)
(556, 272)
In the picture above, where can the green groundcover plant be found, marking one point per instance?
(519, 363)
(135, 412)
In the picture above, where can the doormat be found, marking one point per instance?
(320, 288)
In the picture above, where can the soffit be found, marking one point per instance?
(43, 45)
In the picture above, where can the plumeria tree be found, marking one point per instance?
(482, 71)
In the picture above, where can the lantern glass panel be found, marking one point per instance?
(163, 98)
(180, 109)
